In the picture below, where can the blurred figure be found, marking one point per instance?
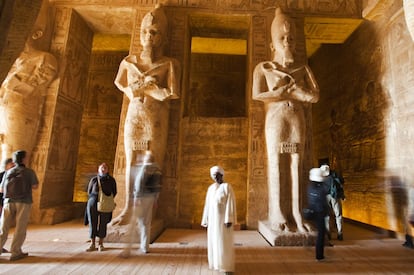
(317, 192)
(97, 220)
(219, 216)
(8, 163)
(17, 185)
(410, 220)
(335, 196)
(147, 186)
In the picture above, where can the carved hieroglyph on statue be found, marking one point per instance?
(22, 93)
(284, 88)
(149, 81)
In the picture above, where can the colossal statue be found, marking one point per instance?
(285, 88)
(149, 81)
(23, 91)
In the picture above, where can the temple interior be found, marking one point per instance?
(361, 54)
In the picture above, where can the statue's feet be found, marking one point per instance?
(308, 227)
(122, 219)
(280, 226)
(302, 228)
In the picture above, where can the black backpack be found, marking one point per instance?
(153, 183)
(16, 187)
(337, 187)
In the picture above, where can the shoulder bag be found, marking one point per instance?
(106, 204)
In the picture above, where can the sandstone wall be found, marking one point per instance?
(239, 146)
(367, 84)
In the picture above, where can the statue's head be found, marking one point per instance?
(283, 37)
(154, 27)
(41, 30)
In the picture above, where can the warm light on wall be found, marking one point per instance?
(109, 42)
(218, 45)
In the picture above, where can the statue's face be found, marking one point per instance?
(283, 40)
(151, 36)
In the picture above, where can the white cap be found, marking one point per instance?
(316, 174)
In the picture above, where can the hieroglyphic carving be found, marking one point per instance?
(76, 59)
(260, 40)
(63, 145)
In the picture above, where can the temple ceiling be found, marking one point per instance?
(112, 26)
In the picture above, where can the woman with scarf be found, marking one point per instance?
(98, 220)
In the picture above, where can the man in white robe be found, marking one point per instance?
(219, 216)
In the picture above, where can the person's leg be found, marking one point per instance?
(103, 220)
(147, 203)
(320, 225)
(92, 214)
(131, 230)
(19, 236)
(8, 213)
(337, 209)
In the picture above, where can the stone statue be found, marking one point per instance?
(149, 81)
(22, 94)
(284, 88)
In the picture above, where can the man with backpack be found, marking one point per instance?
(17, 185)
(335, 196)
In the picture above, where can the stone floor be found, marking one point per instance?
(60, 249)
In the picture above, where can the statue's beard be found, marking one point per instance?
(287, 58)
(147, 54)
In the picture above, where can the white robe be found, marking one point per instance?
(220, 208)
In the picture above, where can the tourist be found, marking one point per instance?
(98, 220)
(17, 185)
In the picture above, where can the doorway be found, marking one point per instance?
(214, 124)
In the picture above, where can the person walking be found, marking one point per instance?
(317, 192)
(334, 198)
(146, 177)
(7, 164)
(98, 221)
(17, 185)
(219, 216)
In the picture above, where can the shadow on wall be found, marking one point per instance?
(397, 197)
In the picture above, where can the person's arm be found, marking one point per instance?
(230, 217)
(2, 182)
(34, 180)
(114, 189)
(204, 219)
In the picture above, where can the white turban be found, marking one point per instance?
(216, 169)
(325, 170)
(316, 174)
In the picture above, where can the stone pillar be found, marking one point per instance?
(55, 156)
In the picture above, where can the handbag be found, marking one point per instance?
(106, 204)
(308, 214)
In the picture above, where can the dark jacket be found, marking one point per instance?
(108, 184)
(317, 192)
(147, 181)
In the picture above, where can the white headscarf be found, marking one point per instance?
(216, 169)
